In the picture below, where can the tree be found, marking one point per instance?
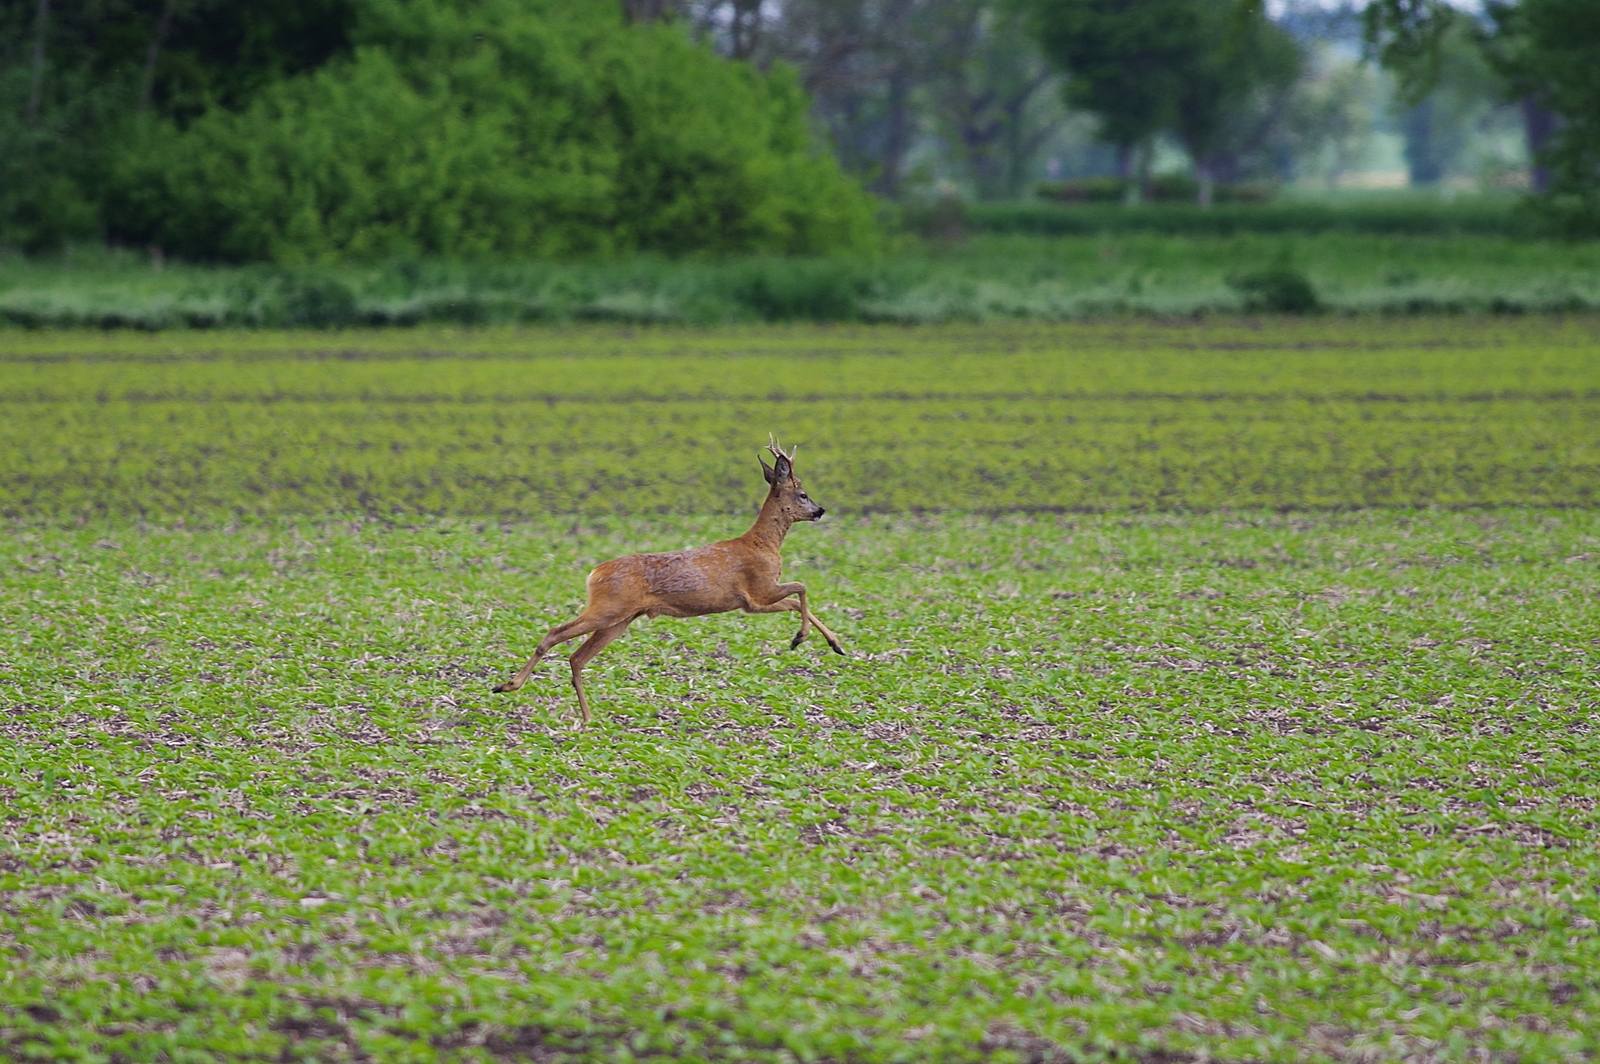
(957, 82)
(1124, 61)
(987, 82)
(1329, 115)
(1465, 90)
(863, 62)
(1215, 72)
(1445, 78)
(1546, 50)
(1549, 50)
(93, 67)
(310, 129)
(1234, 89)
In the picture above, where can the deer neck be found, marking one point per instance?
(772, 524)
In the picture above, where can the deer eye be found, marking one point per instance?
(803, 495)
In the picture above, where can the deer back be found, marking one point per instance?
(682, 583)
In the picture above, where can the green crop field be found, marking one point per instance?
(1212, 691)
(1331, 414)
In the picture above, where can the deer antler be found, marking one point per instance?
(777, 448)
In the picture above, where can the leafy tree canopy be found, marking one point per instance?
(322, 129)
(1193, 67)
(1238, 76)
(1546, 50)
(1124, 59)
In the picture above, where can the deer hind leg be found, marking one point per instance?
(559, 634)
(585, 654)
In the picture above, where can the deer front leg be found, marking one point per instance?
(783, 602)
(795, 587)
(833, 640)
(790, 605)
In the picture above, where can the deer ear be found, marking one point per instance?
(785, 469)
(767, 471)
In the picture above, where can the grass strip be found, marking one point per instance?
(987, 278)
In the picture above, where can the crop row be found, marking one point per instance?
(1262, 338)
(593, 421)
(173, 458)
(706, 371)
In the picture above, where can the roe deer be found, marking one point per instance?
(735, 574)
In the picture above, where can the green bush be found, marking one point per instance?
(1167, 188)
(507, 128)
(981, 278)
(1277, 289)
(1398, 218)
(45, 168)
(1084, 190)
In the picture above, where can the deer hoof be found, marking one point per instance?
(503, 688)
(837, 649)
(796, 640)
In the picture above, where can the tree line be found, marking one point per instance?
(311, 129)
(1219, 77)
(1548, 54)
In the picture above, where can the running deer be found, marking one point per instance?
(735, 574)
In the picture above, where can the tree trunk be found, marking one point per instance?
(644, 10)
(1020, 146)
(157, 37)
(897, 137)
(980, 144)
(1139, 187)
(1018, 151)
(36, 86)
(1421, 162)
(1538, 123)
(745, 28)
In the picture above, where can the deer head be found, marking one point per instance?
(786, 493)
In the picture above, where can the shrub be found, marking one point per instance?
(1168, 188)
(46, 167)
(1277, 289)
(505, 128)
(1410, 217)
(1084, 190)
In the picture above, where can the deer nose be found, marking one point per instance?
(820, 511)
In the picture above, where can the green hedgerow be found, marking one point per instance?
(507, 128)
